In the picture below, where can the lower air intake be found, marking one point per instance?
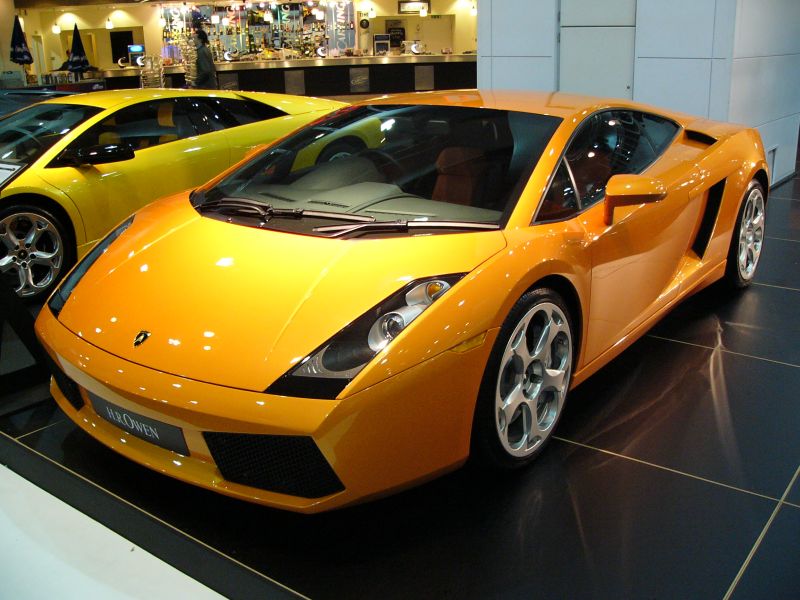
(68, 387)
(286, 464)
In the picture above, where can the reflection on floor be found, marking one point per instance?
(674, 475)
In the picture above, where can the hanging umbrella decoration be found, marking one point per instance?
(20, 53)
(77, 61)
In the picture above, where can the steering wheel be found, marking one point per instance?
(382, 159)
(27, 135)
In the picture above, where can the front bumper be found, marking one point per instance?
(406, 429)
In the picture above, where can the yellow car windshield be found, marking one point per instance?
(26, 134)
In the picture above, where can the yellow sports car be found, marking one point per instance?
(73, 167)
(310, 335)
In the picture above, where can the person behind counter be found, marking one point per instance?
(206, 72)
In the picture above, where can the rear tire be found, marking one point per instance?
(525, 383)
(36, 250)
(747, 238)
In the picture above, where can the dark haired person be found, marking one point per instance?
(206, 73)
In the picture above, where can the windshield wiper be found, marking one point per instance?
(253, 208)
(401, 225)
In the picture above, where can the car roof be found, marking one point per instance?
(110, 98)
(559, 104)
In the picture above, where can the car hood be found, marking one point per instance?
(239, 306)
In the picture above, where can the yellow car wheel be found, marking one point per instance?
(35, 250)
(525, 383)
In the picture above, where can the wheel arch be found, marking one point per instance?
(762, 178)
(49, 204)
(350, 139)
(567, 291)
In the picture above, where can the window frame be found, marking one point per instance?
(583, 208)
(179, 102)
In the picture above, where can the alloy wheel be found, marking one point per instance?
(31, 252)
(751, 234)
(533, 379)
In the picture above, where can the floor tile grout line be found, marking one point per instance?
(40, 429)
(760, 538)
(769, 360)
(782, 239)
(771, 197)
(777, 287)
(155, 518)
(663, 468)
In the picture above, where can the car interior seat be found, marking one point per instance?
(460, 171)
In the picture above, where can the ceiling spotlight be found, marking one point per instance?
(372, 13)
(423, 12)
(55, 28)
(163, 22)
(109, 24)
(225, 21)
(473, 11)
(215, 19)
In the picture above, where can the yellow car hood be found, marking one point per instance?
(239, 306)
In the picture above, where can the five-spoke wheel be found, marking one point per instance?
(525, 382)
(748, 237)
(33, 250)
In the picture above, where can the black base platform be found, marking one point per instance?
(674, 475)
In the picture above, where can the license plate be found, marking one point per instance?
(150, 430)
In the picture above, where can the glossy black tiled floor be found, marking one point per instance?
(674, 475)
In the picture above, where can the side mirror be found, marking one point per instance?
(630, 190)
(97, 155)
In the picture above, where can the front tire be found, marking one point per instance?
(35, 250)
(747, 239)
(525, 383)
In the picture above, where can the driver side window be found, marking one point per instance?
(591, 156)
(142, 125)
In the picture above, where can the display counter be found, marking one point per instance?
(329, 76)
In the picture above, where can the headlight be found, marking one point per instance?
(62, 293)
(325, 372)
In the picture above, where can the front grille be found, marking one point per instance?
(287, 464)
(68, 387)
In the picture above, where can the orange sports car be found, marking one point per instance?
(308, 334)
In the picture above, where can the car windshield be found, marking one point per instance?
(395, 163)
(26, 134)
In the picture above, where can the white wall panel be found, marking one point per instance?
(523, 73)
(597, 61)
(524, 27)
(484, 28)
(767, 27)
(608, 13)
(764, 89)
(724, 28)
(485, 72)
(782, 134)
(675, 28)
(720, 91)
(678, 83)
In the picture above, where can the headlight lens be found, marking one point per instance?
(325, 372)
(62, 293)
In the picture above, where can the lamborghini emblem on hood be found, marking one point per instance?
(140, 338)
